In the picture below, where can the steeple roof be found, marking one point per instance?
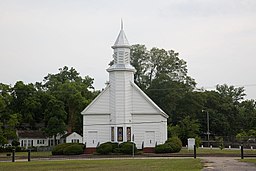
(121, 40)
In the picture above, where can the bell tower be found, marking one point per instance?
(121, 74)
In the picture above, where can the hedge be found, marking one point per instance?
(172, 145)
(73, 150)
(127, 147)
(59, 149)
(109, 147)
(105, 148)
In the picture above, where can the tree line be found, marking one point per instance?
(54, 105)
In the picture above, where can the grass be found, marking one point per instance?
(248, 160)
(106, 165)
(45, 154)
(19, 155)
(217, 151)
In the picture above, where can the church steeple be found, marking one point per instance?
(121, 40)
(121, 53)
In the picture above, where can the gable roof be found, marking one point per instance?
(68, 134)
(143, 103)
(100, 105)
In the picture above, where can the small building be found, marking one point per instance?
(32, 138)
(122, 111)
(71, 138)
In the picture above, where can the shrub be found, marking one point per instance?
(172, 145)
(15, 143)
(73, 149)
(105, 148)
(127, 147)
(198, 141)
(163, 148)
(58, 149)
(175, 140)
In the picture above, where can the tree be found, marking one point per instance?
(27, 103)
(157, 62)
(186, 128)
(55, 117)
(74, 91)
(8, 120)
(231, 93)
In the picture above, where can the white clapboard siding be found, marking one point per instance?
(96, 123)
(73, 136)
(141, 103)
(100, 104)
(143, 123)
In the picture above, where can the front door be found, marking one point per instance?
(150, 139)
(92, 139)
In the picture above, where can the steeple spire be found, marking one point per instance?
(121, 54)
(122, 26)
(121, 40)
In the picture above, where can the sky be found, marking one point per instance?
(217, 38)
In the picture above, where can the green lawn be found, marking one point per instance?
(46, 153)
(106, 165)
(19, 155)
(217, 151)
(248, 160)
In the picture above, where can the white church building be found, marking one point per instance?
(122, 111)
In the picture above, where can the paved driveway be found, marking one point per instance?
(226, 164)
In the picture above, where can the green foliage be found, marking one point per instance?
(174, 140)
(242, 136)
(73, 149)
(15, 143)
(105, 148)
(127, 147)
(197, 141)
(172, 145)
(123, 148)
(220, 142)
(185, 129)
(59, 149)
(73, 91)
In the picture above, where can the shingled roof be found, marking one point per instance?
(31, 134)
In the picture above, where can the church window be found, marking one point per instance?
(112, 133)
(120, 133)
(128, 132)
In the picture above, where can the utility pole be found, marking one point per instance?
(208, 127)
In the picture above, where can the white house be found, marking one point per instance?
(36, 138)
(32, 138)
(122, 111)
(71, 138)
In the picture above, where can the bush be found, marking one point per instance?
(58, 149)
(172, 145)
(109, 147)
(15, 143)
(163, 148)
(127, 147)
(73, 149)
(198, 141)
(175, 140)
(105, 148)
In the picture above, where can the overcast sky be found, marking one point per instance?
(217, 38)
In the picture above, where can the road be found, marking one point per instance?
(226, 164)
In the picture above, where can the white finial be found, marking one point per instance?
(122, 24)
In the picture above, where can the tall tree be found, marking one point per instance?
(156, 62)
(231, 93)
(55, 117)
(73, 90)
